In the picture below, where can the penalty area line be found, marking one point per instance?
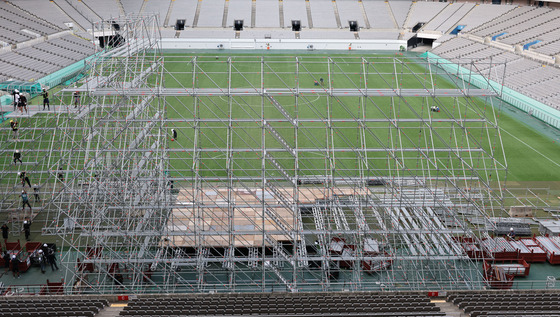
(532, 148)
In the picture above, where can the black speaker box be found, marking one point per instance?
(238, 25)
(353, 26)
(296, 25)
(180, 25)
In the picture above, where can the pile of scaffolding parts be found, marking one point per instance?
(372, 248)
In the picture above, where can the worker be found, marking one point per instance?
(5, 231)
(41, 259)
(51, 257)
(511, 233)
(36, 192)
(25, 200)
(24, 179)
(174, 134)
(15, 266)
(16, 99)
(27, 228)
(60, 174)
(46, 99)
(17, 157)
(15, 129)
(76, 96)
(23, 103)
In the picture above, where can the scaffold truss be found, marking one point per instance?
(177, 173)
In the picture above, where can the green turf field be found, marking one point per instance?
(523, 147)
(327, 131)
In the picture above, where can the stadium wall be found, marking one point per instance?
(283, 44)
(537, 109)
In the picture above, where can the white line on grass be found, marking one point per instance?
(532, 148)
(272, 106)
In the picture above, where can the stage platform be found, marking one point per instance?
(212, 218)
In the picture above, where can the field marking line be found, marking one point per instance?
(532, 148)
(271, 106)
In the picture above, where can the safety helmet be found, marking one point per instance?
(40, 251)
(13, 256)
(25, 222)
(11, 121)
(17, 151)
(45, 245)
(510, 229)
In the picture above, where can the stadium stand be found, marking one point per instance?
(511, 305)
(449, 17)
(423, 12)
(530, 78)
(505, 21)
(211, 14)
(157, 7)
(80, 19)
(400, 10)
(51, 306)
(101, 9)
(322, 13)
(183, 10)
(481, 14)
(443, 38)
(36, 61)
(303, 304)
(268, 14)
(19, 26)
(550, 44)
(238, 10)
(21, 20)
(351, 11)
(379, 15)
(454, 45)
(132, 6)
(11, 35)
(532, 29)
(41, 11)
(477, 52)
(295, 10)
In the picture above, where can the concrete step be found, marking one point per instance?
(112, 310)
(449, 309)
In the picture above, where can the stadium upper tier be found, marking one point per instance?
(26, 20)
(376, 19)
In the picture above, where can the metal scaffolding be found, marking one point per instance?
(269, 173)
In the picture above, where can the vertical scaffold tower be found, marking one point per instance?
(110, 162)
(271, 173)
